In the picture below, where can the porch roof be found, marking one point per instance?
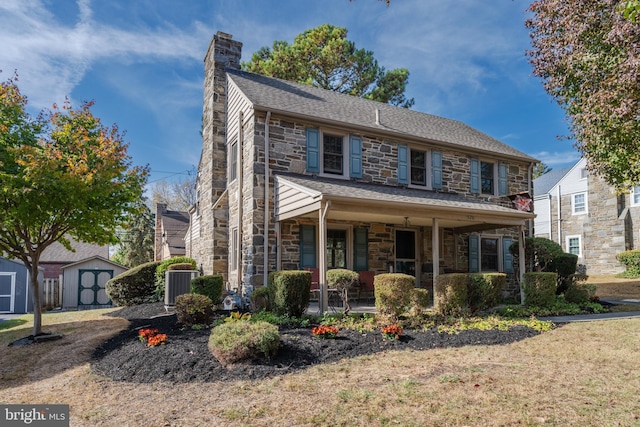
(303, 196)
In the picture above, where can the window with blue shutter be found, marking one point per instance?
(307, 246)
(403, 164)
(355, 157)
(503, 187)
(475, 176)
(507, 258)
(360, 249)
(313, 150)
(474, 254)
(436, 169)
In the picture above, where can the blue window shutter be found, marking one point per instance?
(507, 258)
(307, 246)
(475, 176)
(474, 254)
(502, 179)
(403, 164)
(313, 150)
(355, 156)
(436, 169)
(360, 249)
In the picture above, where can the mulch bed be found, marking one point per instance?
(186, 358)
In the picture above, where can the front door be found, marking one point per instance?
(91, 287)
(406, 252)
(7, 292)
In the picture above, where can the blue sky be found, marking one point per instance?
(142, 63)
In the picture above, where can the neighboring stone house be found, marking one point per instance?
(582, 213)
(171, 227)
(294, 177)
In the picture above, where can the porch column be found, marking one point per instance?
(521, 262)
(435, 252)
(322, 257)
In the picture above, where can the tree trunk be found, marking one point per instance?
(35, 293)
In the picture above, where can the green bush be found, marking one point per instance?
(261, 298)
(162, 269)
(342, 280)
(484, 291)
(181, 266)
(565, 265)
(420, 299)
(392, 292)
(539, 252)
(579, 293)
(631, 260)
(291, 292)
(234, 342)
(194, 309)
(451, 294)
(540, 288)
(210, 285)
(134, 286)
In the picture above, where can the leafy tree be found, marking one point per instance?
(588, 56)
(631, 10)
(61, 174)
(323, 57)
(136, 239)
(540, 169)
(177, 195)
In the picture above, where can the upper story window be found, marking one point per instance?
(420, 168)
(583, 173)
(635, 196)
(233, 161)
(334, 154)
(579, 203)
(488, 178)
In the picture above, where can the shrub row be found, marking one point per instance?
(459, 293)
(134, 286)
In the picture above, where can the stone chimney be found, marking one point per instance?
(209, 243)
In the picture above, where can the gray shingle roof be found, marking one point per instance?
(175, 225)
(544, 183)
(267, 93)
(58, 253)
(401, 195)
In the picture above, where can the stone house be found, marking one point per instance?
(583, 214)
(295, 177)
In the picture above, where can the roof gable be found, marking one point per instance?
(268, 93)
(544, 184)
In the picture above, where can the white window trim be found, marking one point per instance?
(586, 174)
(573, 204)
(346, 172)
(577, 236)
(428, 169)
(233, 249)
(496, 166)
(633, 194)
(233, 149)
(499, 249)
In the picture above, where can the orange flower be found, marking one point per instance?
(392, 332)
(157, 339)
(324, 331)
(144, 334)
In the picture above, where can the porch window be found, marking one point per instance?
(579, 203)
(635, 196)
(336, 249)
(490, 253)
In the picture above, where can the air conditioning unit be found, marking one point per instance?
(177, 282)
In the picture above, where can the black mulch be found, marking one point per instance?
(186, 358)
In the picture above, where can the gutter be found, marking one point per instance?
(265, 266)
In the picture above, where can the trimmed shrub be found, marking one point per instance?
(393, 293)
(565, 265)
(162, 269)
(210, 286)
(538, 252)
(134, 286)
(234, 342)
(485, 290)
(631, 260)
(342, 280)
(194, 309)
(540, 288)
(291, 292)
(181, 266)
(420, 299)
(261, 298)
(580, 293)
(451, 294)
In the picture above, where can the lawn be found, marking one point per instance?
(578, 374)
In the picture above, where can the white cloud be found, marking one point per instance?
(557, 158)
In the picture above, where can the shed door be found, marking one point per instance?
(7, 292)
(91, 288)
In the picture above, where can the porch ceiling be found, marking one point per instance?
(302, 196)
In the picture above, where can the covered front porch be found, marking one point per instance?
(328, 223)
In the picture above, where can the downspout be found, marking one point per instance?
(265, 266)
(530, 191)
(559, 216)
(550, 216)
(239, 169)
(322, 256)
